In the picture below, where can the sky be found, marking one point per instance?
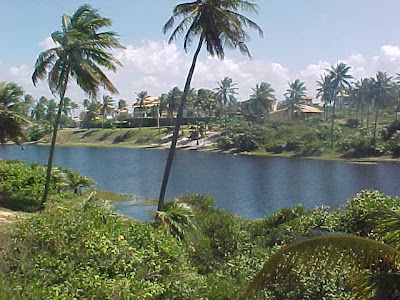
(302, 38)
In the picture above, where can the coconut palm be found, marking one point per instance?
(172, 101)
(295, 93)
(325, 92)
(340, 81)
(39, 109)
(382, 260)
(205, 100)
(80, 52)
(106, 107)
(11, 122)
(262, 99)
(217, 23)
(382, 91)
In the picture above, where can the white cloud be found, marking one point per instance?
(47, 43)
(157, 67)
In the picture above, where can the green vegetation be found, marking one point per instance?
(80, 53)
(22, 184)
(79, 248)
(311, 138)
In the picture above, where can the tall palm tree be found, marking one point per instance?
(295, 93)
(262, 99)
(381, 259)
(325, 92)
(205, 100)
(383, 91)
(217, 23)
(39, 109)
(80, 52)
(106, 107)
(339, 80)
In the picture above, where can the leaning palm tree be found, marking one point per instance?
(80, 52)
(378, 263)
(324, 92)
(295, 93)
(217, 23)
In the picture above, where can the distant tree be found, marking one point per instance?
(295, 94)
(122, 104)
(217, 23)
(51, 110)
(173, 99)
(383, 92)
(205, 100)
(325, 92)
(106, 107)
(11, 123)
(80, 52)
(38, 111)
(339, 79)
(262, 99)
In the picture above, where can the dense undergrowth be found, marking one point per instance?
(78, 248)
(312, 137)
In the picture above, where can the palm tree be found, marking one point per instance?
(262, 99)
(295, 93)
(39, 109)
(76, 181)
(11, 123)
(51, 111)
(382, 91)
(381, 259)
(74, 107)
(205, 100)
(79, 53)
(106, 107)
(226, 95)
(172, 101)
(339, 80)
(92, 111)
(217, 23)
(325, 92)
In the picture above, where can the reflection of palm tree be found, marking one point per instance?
(380, 259)
(106, 107)
(79, 53)
(216, 23)
(295, 93)
(262, 99)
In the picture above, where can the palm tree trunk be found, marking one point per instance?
(375, 125)
(333, 121)
(53, 145)
(176, 129)
(368, 115)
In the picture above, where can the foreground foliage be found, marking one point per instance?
(79, 248)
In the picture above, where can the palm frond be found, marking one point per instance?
(327, 248)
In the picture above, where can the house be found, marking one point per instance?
(145, 109)
(302, 111)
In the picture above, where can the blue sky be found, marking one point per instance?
(301, 39)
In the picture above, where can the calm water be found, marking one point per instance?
(245, 185)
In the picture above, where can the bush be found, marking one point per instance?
(224, 143)
(245, 142)
(353, 123)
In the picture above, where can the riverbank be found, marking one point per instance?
(155, 138)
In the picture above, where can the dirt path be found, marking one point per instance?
(9, 216)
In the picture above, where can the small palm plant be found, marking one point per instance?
(175, 219)
(378, 261)
(77, 181)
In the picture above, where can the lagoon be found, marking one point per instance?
(249, 186)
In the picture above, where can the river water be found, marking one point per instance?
(246, 185)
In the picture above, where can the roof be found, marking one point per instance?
(148, 102)
(309, 109)
(250, 100)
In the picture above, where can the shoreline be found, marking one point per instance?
(229, 152)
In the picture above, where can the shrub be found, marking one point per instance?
(245, 142)
(353, 123)
(224, 143)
